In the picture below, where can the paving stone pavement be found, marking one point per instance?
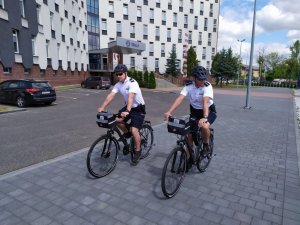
(253, 179)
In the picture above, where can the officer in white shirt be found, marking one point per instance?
(200, 95)
(134, 108)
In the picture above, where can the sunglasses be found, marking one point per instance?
(119, 74)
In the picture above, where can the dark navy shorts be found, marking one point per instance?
(198, 114)
(136, 116)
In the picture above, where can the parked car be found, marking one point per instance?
(96, 82)
(23, 92)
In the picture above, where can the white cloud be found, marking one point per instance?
(236, 21)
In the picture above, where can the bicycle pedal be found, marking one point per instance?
(125, 150)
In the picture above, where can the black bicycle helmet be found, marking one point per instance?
(199, 72)
(120, 68)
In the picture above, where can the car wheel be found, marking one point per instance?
(21, 102)
(98, 86)
(83, 85)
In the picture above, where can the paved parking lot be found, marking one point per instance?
(253, 179)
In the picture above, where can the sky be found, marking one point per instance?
(277, 27)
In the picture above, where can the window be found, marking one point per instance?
(169, 35)
(45, 2)
(2, 4)
(38, 13)
(157, 33)
(125, 11)
(157, 3)
(162, 50)
(211, 10)
(169, 4)
(139, 14)
(201, 8)
(185, 21)
(22, 8)
(180, 5)
(47, 48)
(215, 25)
(200, 38)
(145, 2)
(179, 36)
(33, 41)
(145, 64)
(132, 30)
(119, 29)
(132, 62)
(145, 31)
(190, 37)
(151, 49)
(16, 41)
(58, 51)
(207, 65)
(151, 15)
(156, 65)
(196, 23)
(174, 19)
(51, 21)
(205, 24)
(163, 18)
(204, 53)
(56, 7)
(111, 9)
(209, 39)
(104, 26)
(66, 13)
(191, 6)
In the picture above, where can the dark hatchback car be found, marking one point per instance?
(24, 92)
(98, 82)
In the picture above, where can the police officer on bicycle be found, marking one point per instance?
(134, 108)
(200, 94)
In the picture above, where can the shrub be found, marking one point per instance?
(152, 81)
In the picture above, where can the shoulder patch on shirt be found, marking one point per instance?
(188, 82)
(132, 80)
(206, 83)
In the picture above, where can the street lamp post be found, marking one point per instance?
(238, 80)
(247, 106)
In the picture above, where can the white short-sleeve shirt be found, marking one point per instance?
(130, 85)
(196, 95)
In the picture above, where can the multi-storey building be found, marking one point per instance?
(44, 39)
(156, 24)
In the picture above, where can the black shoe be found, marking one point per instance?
(126, 150)
(136, 157)
(205, 151)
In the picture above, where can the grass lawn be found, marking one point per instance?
(5, 108)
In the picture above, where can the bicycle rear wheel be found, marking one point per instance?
(102, 156)
(146, 133)
(203, 162)
(173, 172)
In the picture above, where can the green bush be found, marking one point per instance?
(152, 81)
(146, 79)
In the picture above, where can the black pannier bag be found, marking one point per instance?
(105, 120)
(178, 126)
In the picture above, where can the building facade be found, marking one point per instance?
(159, 25)
(44, 39)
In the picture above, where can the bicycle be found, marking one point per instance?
(103, 154)
(176, 164)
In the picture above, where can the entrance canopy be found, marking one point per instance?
(122, 46)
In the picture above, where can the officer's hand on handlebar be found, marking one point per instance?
(167, 115)
(124, 114)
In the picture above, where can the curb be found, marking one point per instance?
(12, 111)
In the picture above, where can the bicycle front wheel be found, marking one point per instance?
(203, 162)
(173, 172)
(102, 156)
(146, 133)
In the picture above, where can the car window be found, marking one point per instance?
(105, 78)
(4, 85)
(40, 85)
(13, 84)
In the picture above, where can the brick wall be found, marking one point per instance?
(55, 78)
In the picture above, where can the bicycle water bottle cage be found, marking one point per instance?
(105, 120)
(178, 126)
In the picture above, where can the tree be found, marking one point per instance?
(261, 63)
(172, 63)
(295, 49)
(191, 60)
(146, 79)
(224, 66)
(152, 81)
